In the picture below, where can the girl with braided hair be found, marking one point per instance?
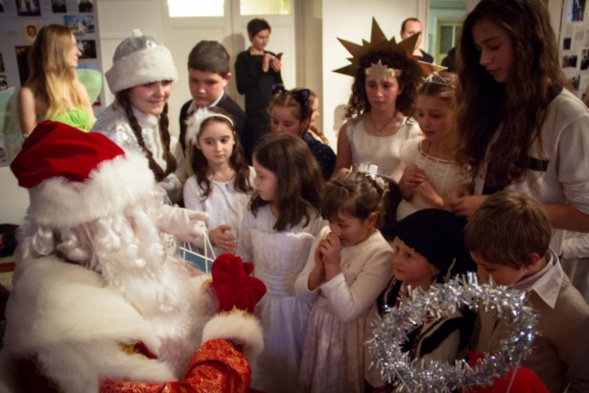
(141, 79)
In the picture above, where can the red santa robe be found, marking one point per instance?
(67, 326)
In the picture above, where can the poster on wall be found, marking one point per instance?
(574, 44)
(20, 23)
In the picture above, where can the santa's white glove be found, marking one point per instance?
(170, 183)
(187, 225)
(173, 187)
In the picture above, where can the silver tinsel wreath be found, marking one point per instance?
(441, 301)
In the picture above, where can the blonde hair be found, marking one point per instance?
(50, 73)
(442, 85)
(508, 228)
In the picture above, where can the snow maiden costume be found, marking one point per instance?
(100, 302)
(140, 60)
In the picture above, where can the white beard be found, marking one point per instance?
(157, 285)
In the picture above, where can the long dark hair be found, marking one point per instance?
(123, 99)
(237, 161)
(300, 184)
(519, 104)
(408, 81)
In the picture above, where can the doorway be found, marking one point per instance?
(445, 19)
(186, 22)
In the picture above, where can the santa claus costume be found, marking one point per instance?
(100, 301)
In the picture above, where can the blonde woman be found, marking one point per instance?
(52, 90)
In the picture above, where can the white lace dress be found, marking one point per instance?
(383, 151)
(333, 358)
(278, 259)
(443, 175)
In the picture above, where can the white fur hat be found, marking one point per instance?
(138, 60)
(75, 177)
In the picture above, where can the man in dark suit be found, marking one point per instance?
(412, 26)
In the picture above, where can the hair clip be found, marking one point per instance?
(437, 79)
(302, 96)
(278, 88)
(370, 170)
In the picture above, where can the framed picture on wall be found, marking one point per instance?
(80, 24)
(85, 6)
(88, 49)
(28, 8)
(58, 6)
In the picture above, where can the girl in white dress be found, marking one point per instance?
(278, 230)
(386, 77)
(350, 264)
(431, 171)
(222, 182)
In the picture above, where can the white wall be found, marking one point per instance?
(14, 201)
(352, 20)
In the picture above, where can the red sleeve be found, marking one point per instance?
(217, 366)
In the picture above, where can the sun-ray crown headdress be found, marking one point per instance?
(380, 43)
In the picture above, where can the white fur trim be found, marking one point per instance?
(141, 67)
(112, 186)
(66, 316)
(239, 327)
(195, 120)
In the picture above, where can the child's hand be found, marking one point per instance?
(319, 258)
(222, 238)
(330, 249)
(412, 177)
(429, 195)
(466, 206)
(317, 275)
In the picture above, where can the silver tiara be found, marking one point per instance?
(438, 79)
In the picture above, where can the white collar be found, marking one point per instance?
(145, 120)
(546, 283)
(192, 107)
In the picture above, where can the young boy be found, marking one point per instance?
(508, 238)
(208, 74)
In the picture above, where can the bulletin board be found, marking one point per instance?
(20, 22)
(574, 44)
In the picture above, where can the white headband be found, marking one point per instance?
(195, 121)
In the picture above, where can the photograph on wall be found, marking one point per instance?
(28, 8)
(85, 6)
(575, 81)
(1, 6)
(80, 24)
(58, 6)
(22, 60)
(88, 49)
(566, 44)
(585, 59)
(30, 31)
(569, 61)
(577, 10)
(2, 67)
